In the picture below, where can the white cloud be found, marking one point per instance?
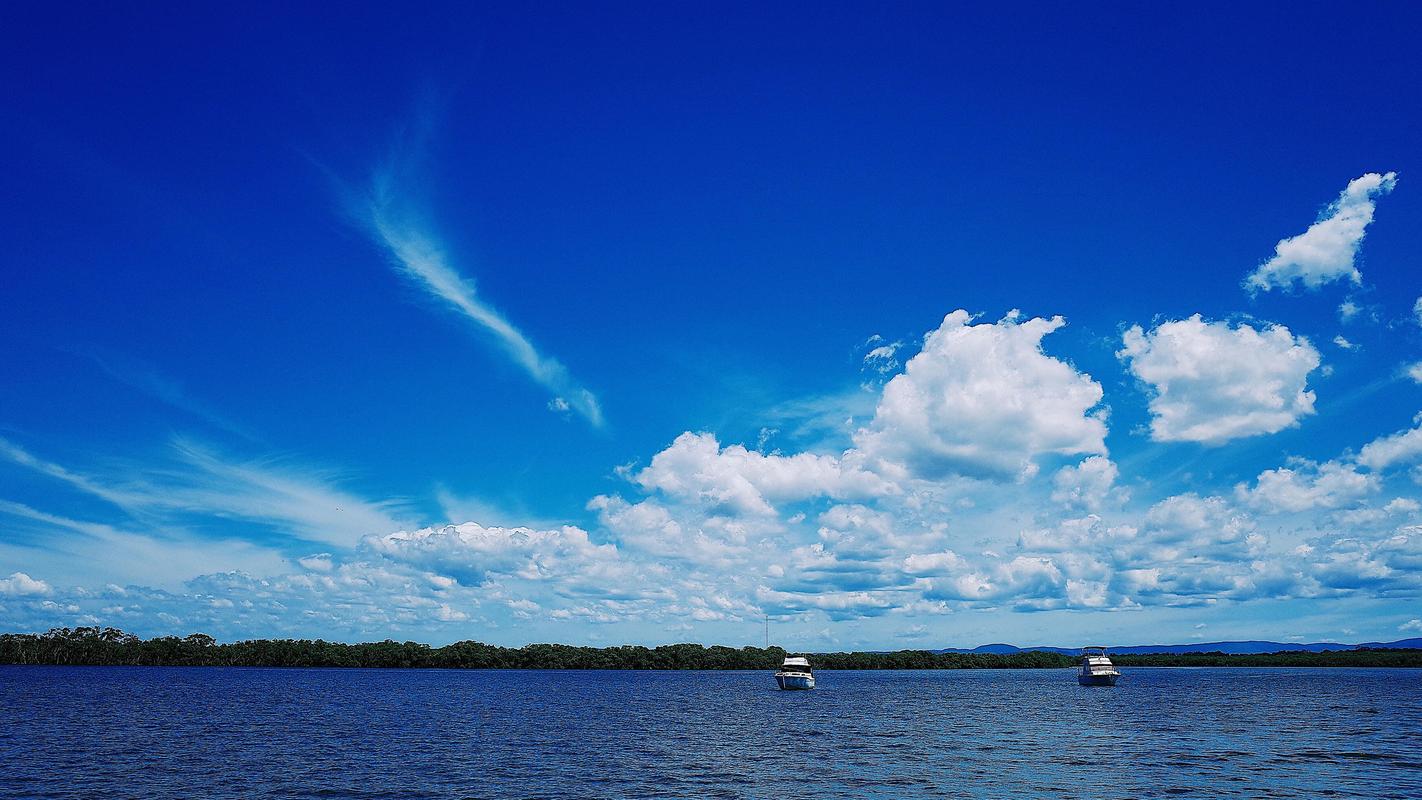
(835, 605)
(1347, 310)
(301, 501)
(1190, 527)
(1327, 250)
(471, 553)
(984, 401)
(1086, 485)
(201, 482)
(1411, 625)
(444, 613)
(1344, 343)
(942, 563)
(419, 254)
(696, 468)
(652, 528)
(75, 549)
(1391, 564)
(21, 585)
(1414, 371)
(1398, 448)
(1082, 535)
(1305, 485)
(1402, 505)
(882, 357)
(1417, 311)
(1211, 382)
(889, 529)
(1020, 581)
(321, 562)
(98, 488)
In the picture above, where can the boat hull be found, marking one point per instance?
(1097, 680)
(795, 681)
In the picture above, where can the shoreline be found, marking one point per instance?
(112, 647)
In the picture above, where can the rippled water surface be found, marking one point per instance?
(240, 733)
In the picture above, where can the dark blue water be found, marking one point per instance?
(240, 733)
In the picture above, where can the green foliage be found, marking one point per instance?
(1362, 657)
(110, 646)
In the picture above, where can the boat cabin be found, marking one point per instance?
(797, 664)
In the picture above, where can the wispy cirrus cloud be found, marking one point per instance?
(150, 381)
(391, 212)
(198, 483)
(75, 549)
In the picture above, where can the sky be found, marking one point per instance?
(918, 326)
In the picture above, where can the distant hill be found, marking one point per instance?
(1401, 644)
(1248, 647)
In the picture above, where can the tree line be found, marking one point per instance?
(1362, 657)
(100, 646)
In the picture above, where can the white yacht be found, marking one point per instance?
(1096, 668)
(795, 673)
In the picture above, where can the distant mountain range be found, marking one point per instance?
(1199, 647)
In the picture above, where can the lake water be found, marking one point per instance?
(240, 733)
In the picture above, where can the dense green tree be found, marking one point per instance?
(110, 646)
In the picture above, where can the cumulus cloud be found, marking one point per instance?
(652, 528)
(1367, 516)
(946, 562)
(899, 527)
(984, 400)
(1211, 382)
(1021, 581)
(471, 553)
(1327, 250)
(1305, 486)
(1198, 525)
(21, 585)
(1403, 447)
(1086, 485)
(697, 468)
(835, 605)
(1402, 505)
(1414, 371)
(1389, 564)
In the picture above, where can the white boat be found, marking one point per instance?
(795, 673)
(1096, 668)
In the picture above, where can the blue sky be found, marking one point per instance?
(687, 320)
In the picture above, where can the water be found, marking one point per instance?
(238, 733)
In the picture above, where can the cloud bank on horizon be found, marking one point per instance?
(980, 482)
